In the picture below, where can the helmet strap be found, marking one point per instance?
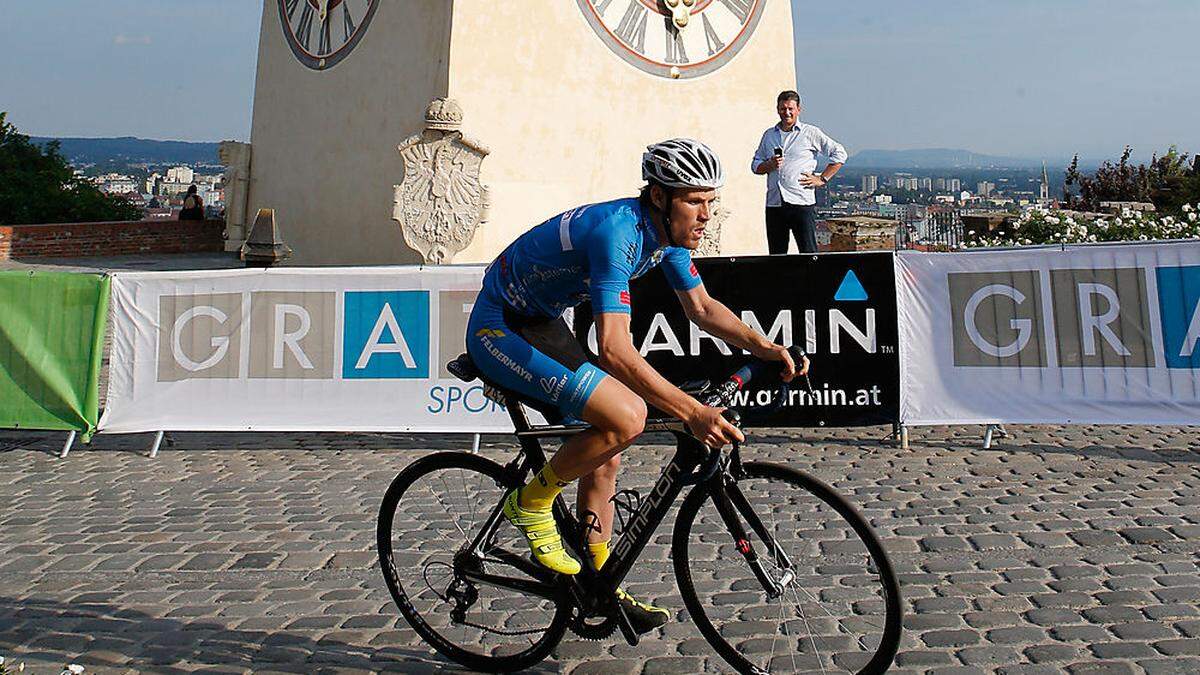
(666, 214)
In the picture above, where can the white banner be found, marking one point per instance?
(1086, 335)
(294, 349)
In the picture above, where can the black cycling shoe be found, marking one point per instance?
(642, 616)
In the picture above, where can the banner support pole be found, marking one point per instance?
(158, 436)
(903, 437)
(67, 446)
(475, 445)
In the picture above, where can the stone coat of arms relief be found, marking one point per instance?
(710, 245)
(441, 202)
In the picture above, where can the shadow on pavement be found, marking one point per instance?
(101, 636)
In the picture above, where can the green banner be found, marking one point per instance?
(51, 343)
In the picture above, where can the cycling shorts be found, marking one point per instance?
(536, 357)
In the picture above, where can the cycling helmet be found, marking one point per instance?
(682, 163)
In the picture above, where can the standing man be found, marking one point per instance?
(787, 155)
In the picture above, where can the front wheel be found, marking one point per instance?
(825, 599)
(430, 514)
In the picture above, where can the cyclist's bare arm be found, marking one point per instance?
(619, 358)
(716, 319)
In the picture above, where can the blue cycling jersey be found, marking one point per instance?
(587, 253)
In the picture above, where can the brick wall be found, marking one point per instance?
(77, 240)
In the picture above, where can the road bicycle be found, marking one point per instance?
(778, 571)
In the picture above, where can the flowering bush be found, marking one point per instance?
(1045, 226)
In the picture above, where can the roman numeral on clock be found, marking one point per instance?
(304, 28)
(347, 22)
(601, 5)
(632, 29)
(675, 51)
(711, 38)
(291, 8)
(740, 8)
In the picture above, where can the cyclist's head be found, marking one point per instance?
(682, 163)
(682, 177)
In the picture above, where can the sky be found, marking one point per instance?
(1022, 78)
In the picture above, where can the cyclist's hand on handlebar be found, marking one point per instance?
(711, 427)
(780, 353)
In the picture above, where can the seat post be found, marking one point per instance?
(535, 456)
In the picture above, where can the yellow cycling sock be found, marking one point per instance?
(599, 551)
(539, 494)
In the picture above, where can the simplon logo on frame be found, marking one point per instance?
(1091, 318)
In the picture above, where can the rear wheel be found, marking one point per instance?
(430, 514)
(839, 607)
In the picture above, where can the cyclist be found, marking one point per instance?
(517, 337)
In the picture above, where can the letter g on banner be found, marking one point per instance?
(1024, 327)
(997, 318)
(219, 342)
(199, 336)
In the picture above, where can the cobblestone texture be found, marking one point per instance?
(1062, 549)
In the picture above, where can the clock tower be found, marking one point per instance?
(379, 120)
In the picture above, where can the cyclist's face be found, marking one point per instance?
(690, 213)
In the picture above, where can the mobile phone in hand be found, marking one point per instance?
(779, 152)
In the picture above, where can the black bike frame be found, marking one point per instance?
(693, 463)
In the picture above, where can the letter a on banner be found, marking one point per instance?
(387, 319)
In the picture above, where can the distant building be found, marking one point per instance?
(954, 185)
(985, 189)
(939, 184)
(926, 183)
(180, 174)
(911, 184)
(870, 184)
(1044, 193)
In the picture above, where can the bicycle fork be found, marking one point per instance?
(729, 500)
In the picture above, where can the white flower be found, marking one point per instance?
(73, 669)
(1187, 208)
(1192, 216)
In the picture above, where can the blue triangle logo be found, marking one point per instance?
(851, 289)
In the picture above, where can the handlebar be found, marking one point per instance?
(721, 395)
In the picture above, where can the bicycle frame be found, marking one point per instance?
(693, 463)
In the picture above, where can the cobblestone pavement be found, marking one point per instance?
(1062, 549)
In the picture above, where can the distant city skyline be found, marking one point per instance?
(1019, 78)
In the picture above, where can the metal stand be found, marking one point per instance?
(158, 437)
(67, 445)
(903, 437)
(993, 431)
(475, 445)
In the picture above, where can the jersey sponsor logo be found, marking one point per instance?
(490, 332)
(625, 298)
(693, 271)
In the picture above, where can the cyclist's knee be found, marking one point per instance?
(631, 421)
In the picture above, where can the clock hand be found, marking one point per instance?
(322, 9)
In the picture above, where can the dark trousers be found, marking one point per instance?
(789, 220)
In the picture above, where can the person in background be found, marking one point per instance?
(787, 155)
(193, 206)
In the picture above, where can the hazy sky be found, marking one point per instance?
(1039, 78)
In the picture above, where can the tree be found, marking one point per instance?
(1169, 182)
(37, 185)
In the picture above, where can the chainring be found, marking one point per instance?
(595, 632)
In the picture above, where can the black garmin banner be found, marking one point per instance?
(840, 308)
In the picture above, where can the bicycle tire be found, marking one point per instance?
(687, 548)
(485, 473)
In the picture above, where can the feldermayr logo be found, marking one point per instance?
(293, 334)
(1091, 318)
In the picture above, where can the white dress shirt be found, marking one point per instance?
(800, 146)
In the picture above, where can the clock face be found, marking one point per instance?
(322, 32)
(677, 39)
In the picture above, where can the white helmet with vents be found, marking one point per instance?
(682, 163)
